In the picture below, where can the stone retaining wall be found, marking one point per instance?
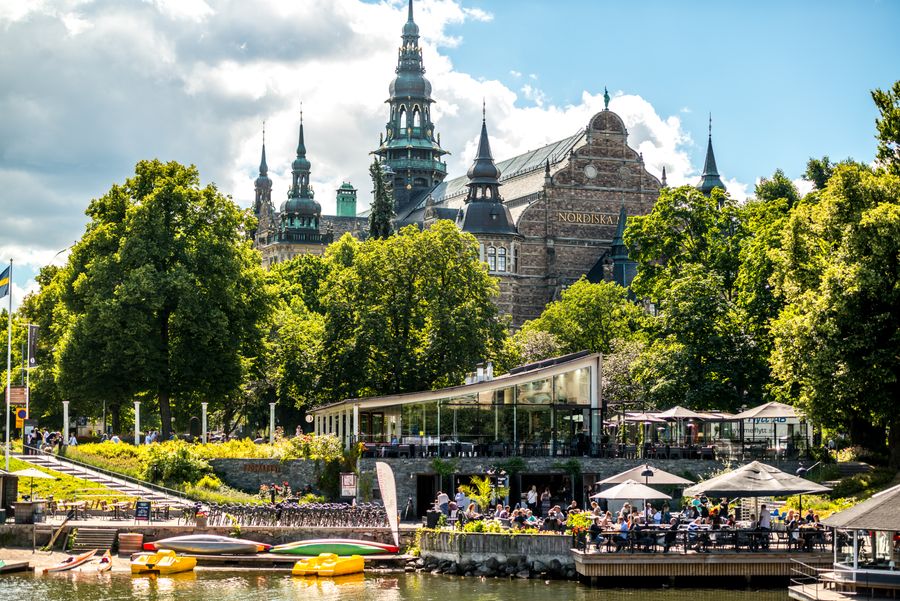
(249, 474)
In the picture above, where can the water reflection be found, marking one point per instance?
(239, 586)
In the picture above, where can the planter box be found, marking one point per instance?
(475, 546)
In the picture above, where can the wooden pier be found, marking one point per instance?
(597, 566)
(14, 566)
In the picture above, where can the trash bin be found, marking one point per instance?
(38, 513)
(431, 518)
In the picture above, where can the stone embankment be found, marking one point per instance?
(514, 566)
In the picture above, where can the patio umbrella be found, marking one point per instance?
(33, 473)
(656, 476)
(755, 480)
(772, 410)
(630, 490)
(679, 414)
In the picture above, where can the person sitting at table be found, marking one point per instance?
(621, 539)
(519, 518)
(809, 519)
(792, 526)
(595, 533)
(665, 514)
(595, 509)
(471, 513)
(671, 535)
(641, 537)
(715, 519)
(573, 507)
(731, 521)
(625, 512)
(530, 519)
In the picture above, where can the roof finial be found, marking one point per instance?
(605, 98)
(710, 124)
(301, 112)
(264, 132)
(483, 109)
(410, 10)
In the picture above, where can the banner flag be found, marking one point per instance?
(32, 344)
(389, 496)
(4, 281)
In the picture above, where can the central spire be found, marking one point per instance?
(710, 179)
(263, 167)
(410, 148)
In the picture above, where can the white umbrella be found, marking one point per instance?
(679, 414)
(655, 476)
(768, 410)
(755, 480)
(33, 473)
(630, 490)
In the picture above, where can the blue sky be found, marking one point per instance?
(93, 86)
(784, 80)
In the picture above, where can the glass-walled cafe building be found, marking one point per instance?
(547, 408)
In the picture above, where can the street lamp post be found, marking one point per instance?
(203, 421)
(271, 423)
(137, 423)
(65, 430)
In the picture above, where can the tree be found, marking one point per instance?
(819, 171)
(382, 215)
(888, 126)
(837, 348)
(413, 311)
(528, 346)
(588, 317)
(163, 296)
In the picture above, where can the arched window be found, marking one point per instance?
(403, 120)
(417, 118)
(492, 258)
(501, 259)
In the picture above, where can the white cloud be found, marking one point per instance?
(804, 186)
(97, 85)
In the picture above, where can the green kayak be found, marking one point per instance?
(338, 546)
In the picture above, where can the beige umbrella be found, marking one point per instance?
(648, 475)
(768, 410)
(679, 414)
(755, 480)
(33, 473)
(630, 490)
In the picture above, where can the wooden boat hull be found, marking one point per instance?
(162, 562)
(71, 562)
(208, 544)
(338, 546)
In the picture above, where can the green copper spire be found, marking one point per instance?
(710, 179)
(263, 167)
(410, 147)
(300, 210)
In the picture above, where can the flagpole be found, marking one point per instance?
(8, 361)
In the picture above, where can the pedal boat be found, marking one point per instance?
(164, 561)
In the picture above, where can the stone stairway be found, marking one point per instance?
(120, 485)
(852, 468)
(84, 539)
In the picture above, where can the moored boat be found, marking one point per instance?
(329, 564)
(104, 564)
(208, 544)
(162, 562)
(337, 546)
(71, 562)
(310, 566)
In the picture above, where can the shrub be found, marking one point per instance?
(863, 484)
(175, 461)
(209, 482)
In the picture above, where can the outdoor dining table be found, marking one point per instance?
(122, 506)
(75, 507)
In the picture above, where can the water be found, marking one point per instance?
(241, 586)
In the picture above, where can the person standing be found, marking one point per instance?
(545, 502)
(443, 502)
(532, 498)
(461, 499)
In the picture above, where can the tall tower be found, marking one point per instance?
(300, 211)
(710, 179)
(346, 200)
(409, 146)
(262, 205)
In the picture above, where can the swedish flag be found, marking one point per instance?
(4, 282)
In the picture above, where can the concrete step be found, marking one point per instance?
(94, 538)
(852, 468)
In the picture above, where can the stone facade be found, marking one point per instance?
(249, 474)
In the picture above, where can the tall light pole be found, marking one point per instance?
(203, 406)
(137, 423)
(271, 423)
(65, 429)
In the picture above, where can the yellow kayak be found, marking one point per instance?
(162, 562)
(310, 567)
(329, 564)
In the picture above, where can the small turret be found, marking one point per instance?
(710, 179)
(663, 180)
(346, 200)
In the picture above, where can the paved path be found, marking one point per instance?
(119, 485)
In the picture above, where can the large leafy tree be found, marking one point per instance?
(588, 317)
(837, 341)
(888, 126)
(162, 297)
(411, 312)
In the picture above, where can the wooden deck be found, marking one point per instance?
(691, 565)
(15, 566)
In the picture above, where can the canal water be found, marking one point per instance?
(241, 586)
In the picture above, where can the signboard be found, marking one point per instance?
(17, 396)
(21, 416)
(142, 511)
(348, 485)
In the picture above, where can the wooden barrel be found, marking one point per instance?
(130, 542)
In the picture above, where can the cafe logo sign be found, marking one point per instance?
(588, 218)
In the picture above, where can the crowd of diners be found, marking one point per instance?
(698, 525)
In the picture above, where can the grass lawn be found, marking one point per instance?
(64, 488)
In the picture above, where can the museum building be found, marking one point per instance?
(543, 219)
